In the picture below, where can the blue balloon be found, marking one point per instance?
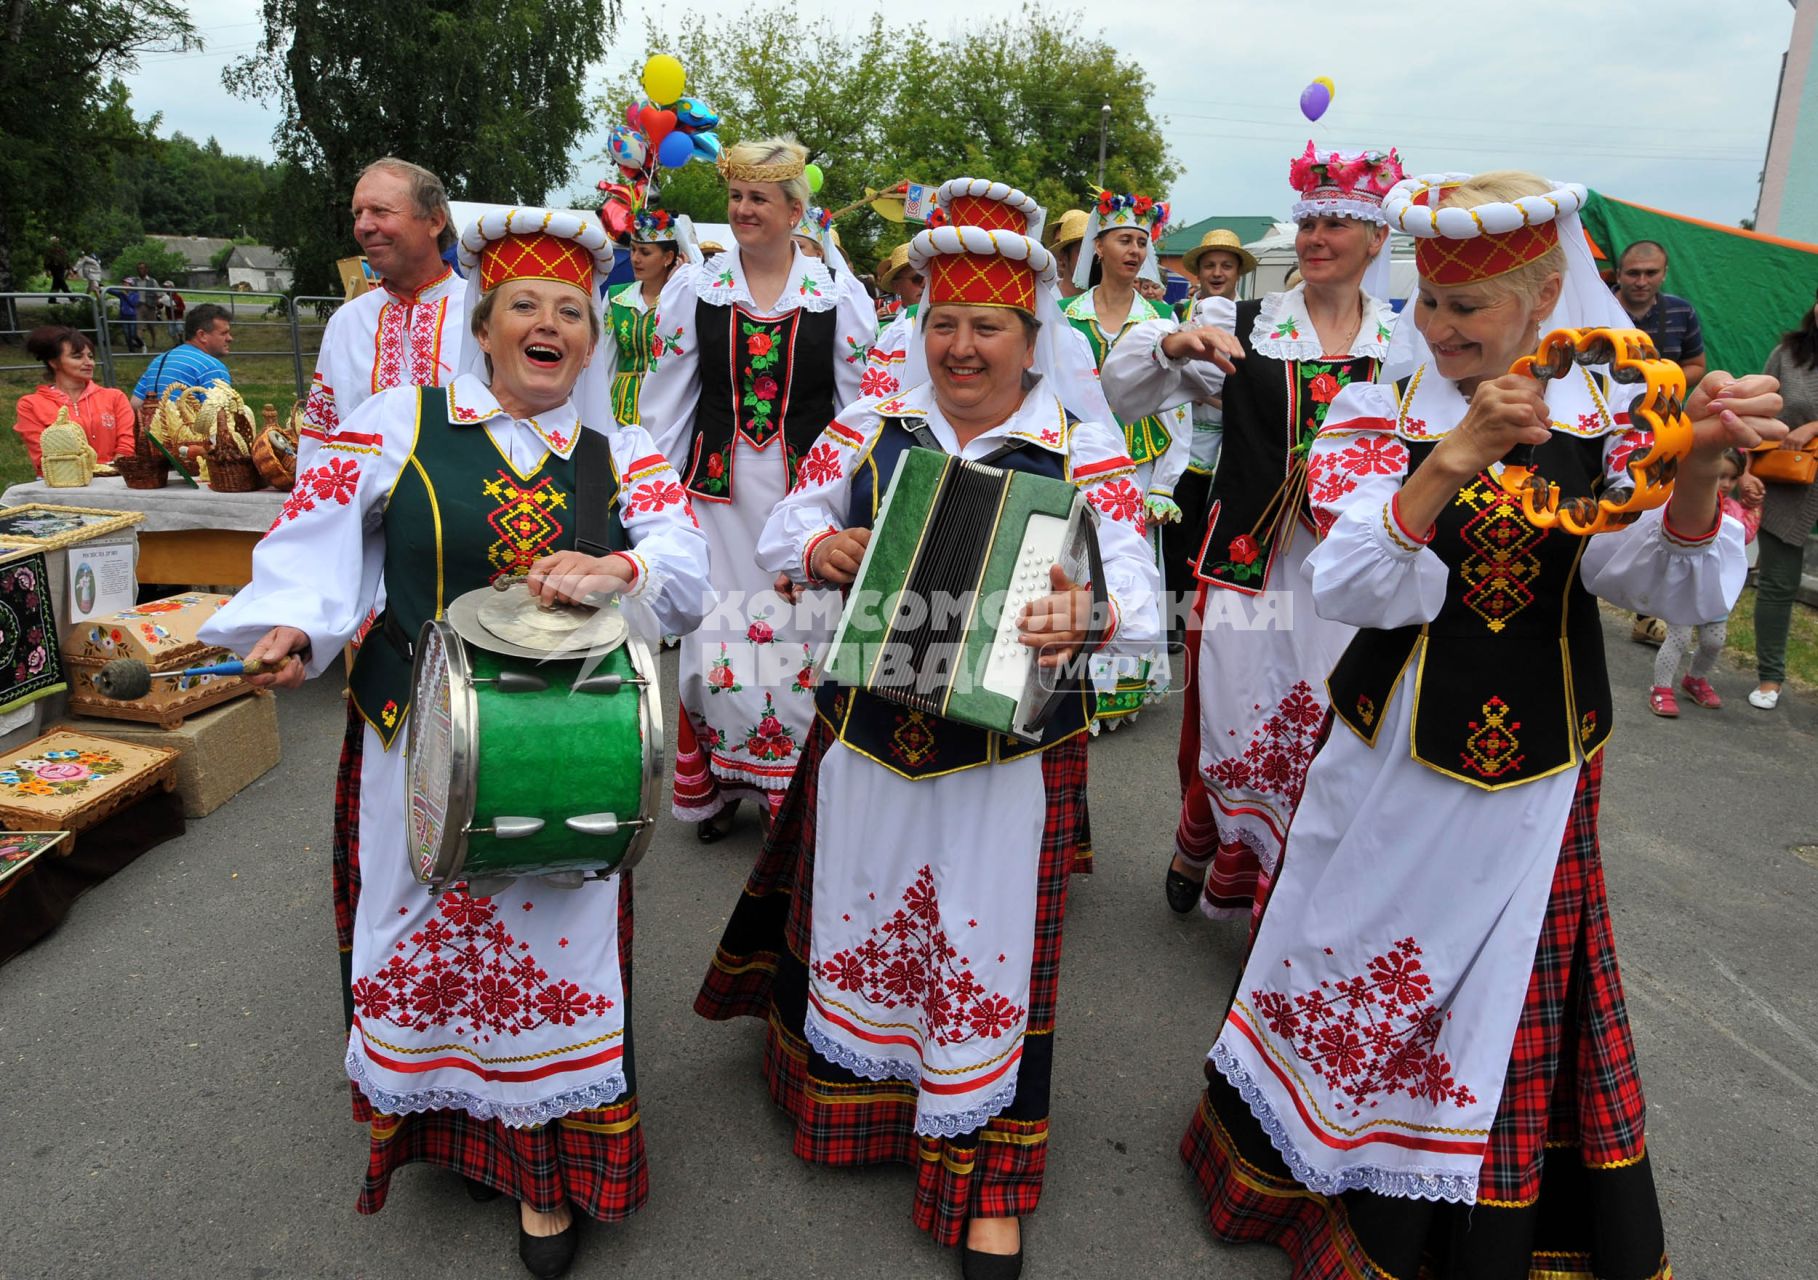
(675, 151)
(694, 116)
(707, 147)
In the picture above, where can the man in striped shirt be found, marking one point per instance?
(208, 335)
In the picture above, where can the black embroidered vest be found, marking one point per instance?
(914, 743)
(1509, 679)
(460, 516)
(1273, 409)
(759, 379)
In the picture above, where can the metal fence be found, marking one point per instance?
(265, 324)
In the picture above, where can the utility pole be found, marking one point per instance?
(1104, 124)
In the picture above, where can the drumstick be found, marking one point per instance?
(128, 679)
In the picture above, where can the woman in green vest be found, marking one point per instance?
(659, 240)
(488, 1024)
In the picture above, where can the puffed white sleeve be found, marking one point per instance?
(1105, 474)
(312, 571)
(1686, 578)
(672, 385)
(815, 509)
(855, 330)
(1139, 380)
(667, 544)
(321, 410)
(1369, 569)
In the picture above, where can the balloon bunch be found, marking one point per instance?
(1316, 97)
(665, 130)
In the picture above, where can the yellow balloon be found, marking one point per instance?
(664, 79)
(1331, 89)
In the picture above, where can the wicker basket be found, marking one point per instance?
(230, 429)
(142, 473)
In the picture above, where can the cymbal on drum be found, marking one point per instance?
(512, 622)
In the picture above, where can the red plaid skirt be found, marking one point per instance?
(760, 970)
(591, 1159)
(1566, 1181)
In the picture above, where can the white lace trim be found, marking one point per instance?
(519, 1115)
(709, 286)
(1372, 336)
(948, 1125)
(1409, 1184)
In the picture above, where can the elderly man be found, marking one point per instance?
(208, 337)
(408, 333)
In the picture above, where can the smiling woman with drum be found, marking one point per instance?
(1430, 1027)
(488, 1031)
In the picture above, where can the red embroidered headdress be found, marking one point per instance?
(537, 244)
(980, 248)
(1456, 245)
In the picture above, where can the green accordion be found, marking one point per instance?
(957, 550)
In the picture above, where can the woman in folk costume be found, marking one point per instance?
(1426, 1067)
(660, 242)
(1259, 663)
(489, 1032)
(901, 932)
(759, 347)
(1115, 252)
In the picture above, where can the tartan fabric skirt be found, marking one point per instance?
(1566, 1191)
(593, 1159)
(760, 971)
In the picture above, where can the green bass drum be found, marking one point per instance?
(522, 766)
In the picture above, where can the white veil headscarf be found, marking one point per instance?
(592, 393)
(1585, 302)
(1088, 251)
(1062, 358)
(680, 234)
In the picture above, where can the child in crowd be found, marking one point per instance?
(1746, 507)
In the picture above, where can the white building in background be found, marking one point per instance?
(1789, 180)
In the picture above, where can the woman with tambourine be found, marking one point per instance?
(489, 1033)
(1430, 1026)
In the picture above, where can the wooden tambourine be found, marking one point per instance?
(1631, 359)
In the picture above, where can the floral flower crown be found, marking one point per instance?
(1143, 212)
(815, 222)
(653, 224)
(1372, 171)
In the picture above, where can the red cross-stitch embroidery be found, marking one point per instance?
(656, 495)
(467, 969)
(908, 961)
(1332, 474)
(820, 466)
(1280, 750)
(319, 408)
(409, 341)
(1371, 1035)
(1628, 444)
(876, 382)
(1119, 500)
(334, 480)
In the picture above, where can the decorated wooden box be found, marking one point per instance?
(162, 635)
(68, 781)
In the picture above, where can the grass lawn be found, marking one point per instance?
(1801, 643)
(262, 366)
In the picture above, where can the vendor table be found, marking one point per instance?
(196, 537)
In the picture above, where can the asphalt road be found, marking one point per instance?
(173, 1104)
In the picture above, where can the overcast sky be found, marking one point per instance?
(1664, 102)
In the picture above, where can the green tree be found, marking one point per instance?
(65, 111)
(488, 93)
(1018, 100)
(161, 263)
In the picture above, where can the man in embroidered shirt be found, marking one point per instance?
(409, 332)
(208, 335)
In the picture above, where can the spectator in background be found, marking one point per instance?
(1788, 511)
(56, 261)
(208, 336)
(69, 369)
(1672, 323)
(1738, 504)
(88, 267)
(134, 299)
(1069, 234)
(174, 306)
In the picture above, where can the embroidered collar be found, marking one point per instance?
(471, 403)
(1283, 330)
(811, 286)
(421, 295)
(1432, 406)
(630, 295)
(1041, 419)
(1080, 307)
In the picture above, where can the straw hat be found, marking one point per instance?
(893, 266)
(1219, 238)
(1071, 229)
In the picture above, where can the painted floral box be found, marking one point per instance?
(71, 781)
(162, 635)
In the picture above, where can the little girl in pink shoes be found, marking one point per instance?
(1745, 507)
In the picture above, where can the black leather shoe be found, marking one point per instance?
(1182, 891)
(990, 1266)
(547, 1257)
(718, 827)
(479, 1192)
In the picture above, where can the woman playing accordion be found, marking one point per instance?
(901, 932)
(1426, 1067)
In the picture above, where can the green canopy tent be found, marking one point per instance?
(1748, 288)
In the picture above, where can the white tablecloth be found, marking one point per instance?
(172, 509)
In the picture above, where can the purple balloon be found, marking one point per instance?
(676, 150)
(1314, 100)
